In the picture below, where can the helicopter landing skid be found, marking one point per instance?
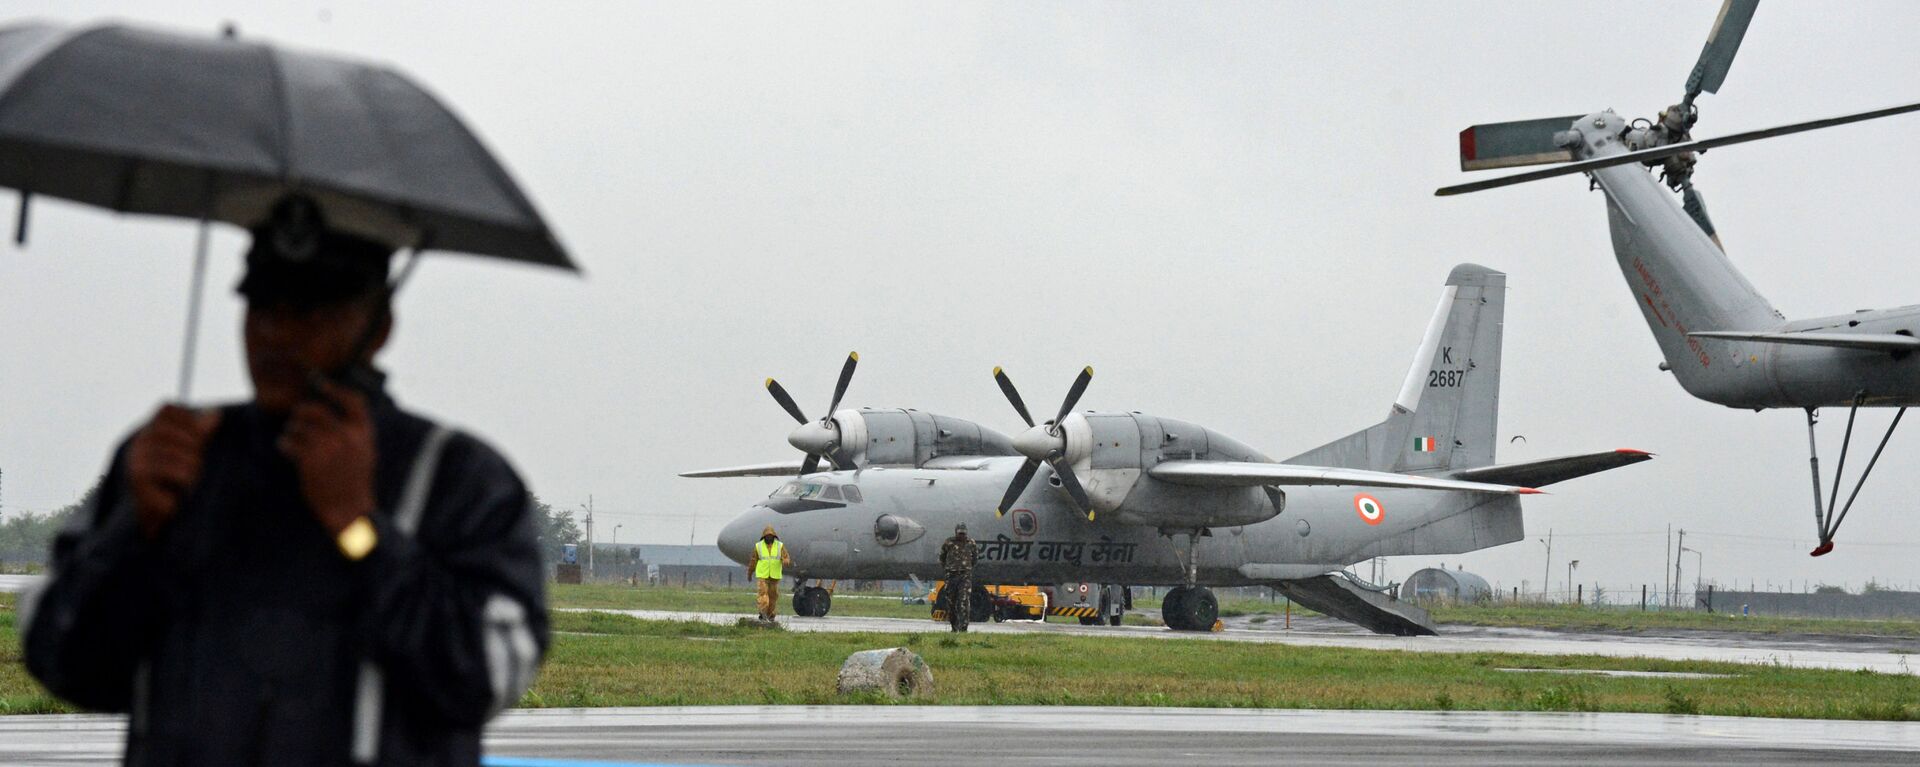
(1827, 518)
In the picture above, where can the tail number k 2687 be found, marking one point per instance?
(1445, 379)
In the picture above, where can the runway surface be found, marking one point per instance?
(852, 736)
(17, 582)
(1884, 654)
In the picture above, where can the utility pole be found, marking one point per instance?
(1673, 595)
(589, 536)
(1546, 570)
(1669, 552)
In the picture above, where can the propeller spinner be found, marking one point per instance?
(1045, 443)
(818, 439)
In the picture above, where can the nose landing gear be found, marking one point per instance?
(812, 602)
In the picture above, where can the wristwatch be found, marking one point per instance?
(357, 539)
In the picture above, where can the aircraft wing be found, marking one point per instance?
(1873, 342)
(776, 469)
(1550, 470)
(1252, 474)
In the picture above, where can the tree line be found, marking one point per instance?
(26, 536)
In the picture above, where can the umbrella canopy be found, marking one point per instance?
(144, 121)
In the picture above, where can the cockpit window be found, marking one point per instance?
(812, 490)
(852, 493)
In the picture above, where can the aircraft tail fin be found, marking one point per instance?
(1447, 412)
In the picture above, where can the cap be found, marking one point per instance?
(960, 528)
(296, 258)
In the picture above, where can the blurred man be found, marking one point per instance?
(957, 556)
(769, 560)
(311, 577)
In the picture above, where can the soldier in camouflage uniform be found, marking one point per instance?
(957, 556)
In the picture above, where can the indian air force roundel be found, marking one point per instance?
(1369, 508)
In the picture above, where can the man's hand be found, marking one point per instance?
(330, 441)
(164, 460)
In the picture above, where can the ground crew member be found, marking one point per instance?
(769, 556)
(312, 577)
(957, 556)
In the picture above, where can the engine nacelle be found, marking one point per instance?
(1111, 452)
(909, 437)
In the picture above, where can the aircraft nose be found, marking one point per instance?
(736, 539)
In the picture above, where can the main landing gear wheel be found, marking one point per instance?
(812, 602)
(1190, 608)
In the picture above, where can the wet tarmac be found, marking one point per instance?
(852, 736)
(17, 582)
(1892, 655)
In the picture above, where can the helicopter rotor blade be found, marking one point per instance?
(780, 395)
(1018, 486)
(1722, 43)
(1013, 395)
(846, 377)
(1662, 152)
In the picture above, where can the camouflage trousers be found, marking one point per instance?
(959, 593)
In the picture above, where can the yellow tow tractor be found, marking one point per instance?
(1000, 603)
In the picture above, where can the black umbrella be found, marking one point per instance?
(219, 129)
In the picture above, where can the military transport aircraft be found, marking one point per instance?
(1723, 341)
(1136, 499)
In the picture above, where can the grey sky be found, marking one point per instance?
(1226, 209)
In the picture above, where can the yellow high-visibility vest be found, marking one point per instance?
(769, 554)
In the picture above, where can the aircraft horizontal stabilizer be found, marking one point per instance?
(1876, 342)
(776, 469)
(1550, 470)
(1253, 474)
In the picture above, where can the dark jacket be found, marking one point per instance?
(241, 635)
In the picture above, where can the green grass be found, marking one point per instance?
(1584, 618)
(614, 660)
(601, 659)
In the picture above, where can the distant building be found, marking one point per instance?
(1438, 584)
(663, 563)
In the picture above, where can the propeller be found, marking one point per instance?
(1045, 443)
(818, 439)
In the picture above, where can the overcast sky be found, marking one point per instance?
(1226, 209)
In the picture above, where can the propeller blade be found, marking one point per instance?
(780, 396)
(811, 465)
(1013, 395)
(1662, 152)
(1072, 484)
(1073, 395)
(846, 377)
(1722, 43)
(1018, 486)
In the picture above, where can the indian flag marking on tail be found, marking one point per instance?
(1423, 444)
(1369, 508)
